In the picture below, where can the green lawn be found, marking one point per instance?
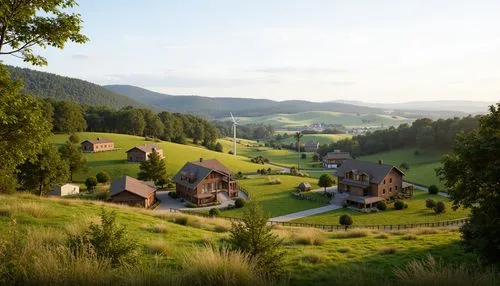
(337, 261)
(114, 162)
(415, 213)
(276, 199)
(422, 166)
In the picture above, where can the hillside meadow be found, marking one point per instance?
(422, 165)
(176, 155)
(166, 242)
(321, 138)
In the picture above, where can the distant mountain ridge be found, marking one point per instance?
(467, 106)
(48, 85)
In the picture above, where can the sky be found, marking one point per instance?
(365, 50)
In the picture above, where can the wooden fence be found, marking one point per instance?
(332, 227)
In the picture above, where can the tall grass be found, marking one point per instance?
(33, 209)
(431, 272)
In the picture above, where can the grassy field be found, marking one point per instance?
(115, 163)
(283, 157)
(276, 199)
(304, 119)
(415, 213)
(422, 166)
(321, 138)
(312, 257)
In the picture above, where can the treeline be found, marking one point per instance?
(247, 131)
(69, 117)
(423, 134)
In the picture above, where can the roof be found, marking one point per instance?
(148, 148)
(304, 185)
(376, 171)
(365, 200)
(98, 141)
(126, 183)
(197, 171)
(337, 156)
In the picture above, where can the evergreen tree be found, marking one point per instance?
(154, 169)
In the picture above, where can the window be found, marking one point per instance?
(396, 188)
(390, 180)
(383, 191)
(384, 182)
(390, 190)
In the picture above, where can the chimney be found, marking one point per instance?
(380, 162)
(201, 160)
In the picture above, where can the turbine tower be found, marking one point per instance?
(234, 133)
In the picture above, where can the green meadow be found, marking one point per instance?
(415, 213)
(176, 155)
(321, 138)
(312, 257)
(422, 166)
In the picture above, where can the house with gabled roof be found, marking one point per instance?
(97, 145)
(130, 191)
(335, 159)
(140, 153)
(311, 146)
(368, 183)
(200, 181)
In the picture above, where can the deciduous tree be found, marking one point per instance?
(73, 155)
(326, 181)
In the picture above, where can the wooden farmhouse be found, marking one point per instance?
(141, 153)
(130, 191)
(335, 159)
(200, 182)
(368, 183)
(98, 145)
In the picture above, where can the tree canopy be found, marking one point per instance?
(153, 169)
(25, 25)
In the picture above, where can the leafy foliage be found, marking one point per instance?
(430, 203)
(102, 177)
(433, 190)
(399, 205)
(254, 237)
(42, 174)
(72, 153)
(214, 212)
(154, 169)
(91, 183)
(326, 181)
(345, 220)
(440, 207)
(239, 202)
(381, 206)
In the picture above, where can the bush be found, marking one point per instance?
(430, 203)
(381, 206)
(303, 156)
(259, 160)
(239, 203)
(190, 205)
(406, 205)
(214, 212)
(440, 207)
(315, 158)
(102, 177)
(399, 205)
(433, 190)
(346, 221)
(273, 180)
(404, 166)
(90, 183)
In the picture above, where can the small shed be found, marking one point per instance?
(65, 190)
(304, 187)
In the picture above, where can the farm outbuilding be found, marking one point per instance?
(65, 190)
(304, 187)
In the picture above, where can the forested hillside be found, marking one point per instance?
(47, 85)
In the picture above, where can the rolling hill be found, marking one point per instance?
(42, 84)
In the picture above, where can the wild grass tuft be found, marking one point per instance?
(382, 236)
(159, 247)
(344, 249)
(312, 258)
(409, 236)
(350, 234)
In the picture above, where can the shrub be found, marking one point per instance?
(430, 203)
(214, 212)
(239, 203)
(409, 237)
(159, 247)
(90, 183)
(312, 258)
(102, 196)
(382, 236)
(273, 180)
(158, 228)
(315, 158)
(259, 160)
(346, 221)
(102, 177)
(309, 237)
(107, 239)
(381, 206)
(404, 166)
(406, 205)
(388, 250)
(171, 186)
(303, 156)
(220, 228)
(173, 195)
(399, 205)
(344, 249)
(190, 205)
(440, 207)
(181, 220)
(433, 190)
(355, 233)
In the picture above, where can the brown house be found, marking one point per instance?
(141, 153)
(130, 191)
(368, 183)
(311, 146)
(335, 159)
(199, 182)
(98, 145)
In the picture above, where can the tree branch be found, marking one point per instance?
(26, 45)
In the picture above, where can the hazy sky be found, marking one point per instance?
(375, 51)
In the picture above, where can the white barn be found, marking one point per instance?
(65, 190)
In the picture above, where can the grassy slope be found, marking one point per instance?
(282, 157)
(114, 162)
(415, 213)
(321, 138)
(337, 261)
(421, 166)
(302, 119)
(276, 199)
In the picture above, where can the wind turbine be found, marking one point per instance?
(234, 133)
